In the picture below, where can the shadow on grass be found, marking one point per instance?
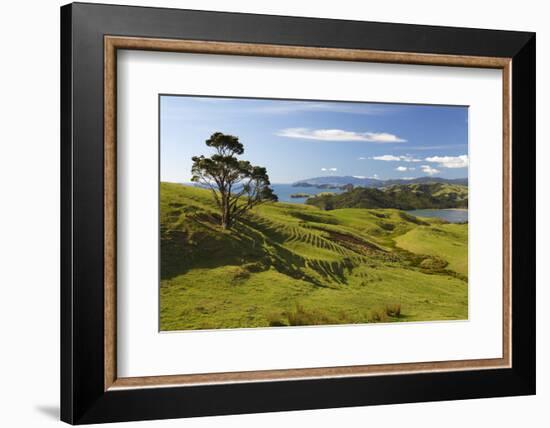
(205, 245)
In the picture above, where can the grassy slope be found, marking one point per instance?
(448, 239)
(290, 264)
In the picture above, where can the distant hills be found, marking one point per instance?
(399, 196)
(340, 181)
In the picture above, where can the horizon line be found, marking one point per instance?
(343, 176)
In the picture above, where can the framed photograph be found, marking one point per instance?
(266, 213)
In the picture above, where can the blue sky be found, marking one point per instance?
(297, 139)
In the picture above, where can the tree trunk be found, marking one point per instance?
(226, 216)
(226, 222)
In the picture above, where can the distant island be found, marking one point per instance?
(319, 186)
(300, 195)
(399, 196)
(337, 182)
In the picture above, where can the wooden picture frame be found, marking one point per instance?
(91, 390)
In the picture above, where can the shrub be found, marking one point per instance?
(344, 318)
(386, 226)
(328, 206)
(384, 314)
(377, 315)
(274, 319)
(301, 316)
(393, 310)
(433, 263)
(238, 273)
(201, 309)
(411, 219)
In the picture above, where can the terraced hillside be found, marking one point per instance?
(293, 264)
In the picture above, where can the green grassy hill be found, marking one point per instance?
(402, 196)
(293, 264)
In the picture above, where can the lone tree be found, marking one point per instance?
(236, 185)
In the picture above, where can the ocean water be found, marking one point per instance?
(451, 215)
(283, 192)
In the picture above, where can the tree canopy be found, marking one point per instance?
(236, 185)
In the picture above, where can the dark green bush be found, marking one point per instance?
(433, 263)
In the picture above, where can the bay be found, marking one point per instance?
(450, 215)
(283, 192)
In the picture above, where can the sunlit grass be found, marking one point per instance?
(293, 264)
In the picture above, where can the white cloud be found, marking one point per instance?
(382, 137)
(339, 135)
(429, 170)
(329, 169)
(392, 158)
(361, 158)
(404, 168)
(387, 158)
(409, 158)
(375, 176)
(449, 161)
